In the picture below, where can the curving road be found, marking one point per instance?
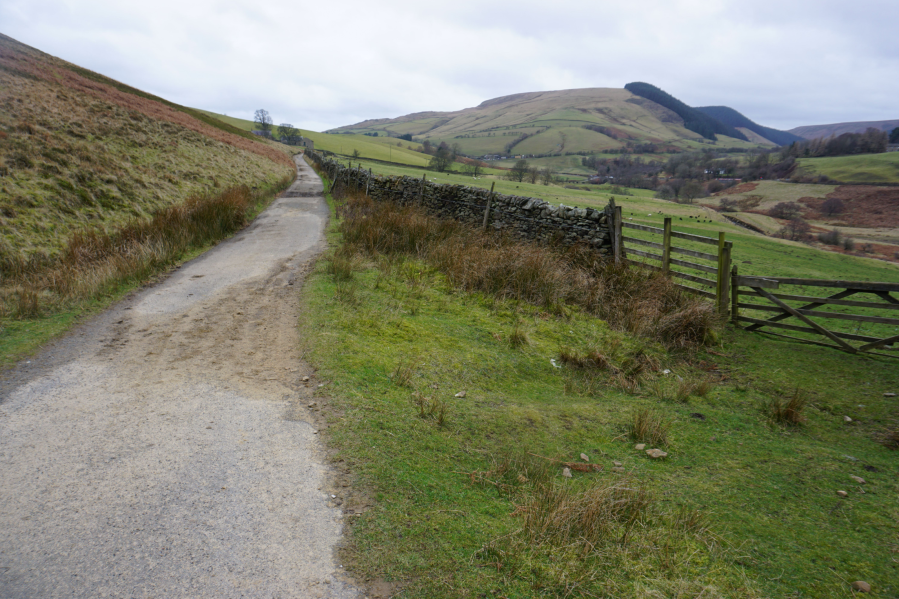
(163, 449)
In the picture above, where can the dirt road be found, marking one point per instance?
(163, 450)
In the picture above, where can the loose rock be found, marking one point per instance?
(461, 394)
(566, 472)
(617, 464)
(889, 395)
(305, 379)
(847, 419)
(861, 586)
(618, 469)
(656, 453)
(640, 446)
(842, 493)
(584, 457)
(857, 479)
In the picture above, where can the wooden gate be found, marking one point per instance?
(826, 316)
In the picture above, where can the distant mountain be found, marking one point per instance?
(694, 120)
(816, 131)
(731, 117)
(561, 122)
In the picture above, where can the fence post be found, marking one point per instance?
(734, 296)
(421, 190)
(367, 181)
(618, 242)
(722, 287)
(489, 202)
(666, 243)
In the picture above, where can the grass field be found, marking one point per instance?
(866, 168)
(375, 148)
(741, 507)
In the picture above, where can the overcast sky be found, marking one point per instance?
(328, 63)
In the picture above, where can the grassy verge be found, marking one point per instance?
(457, 412)
(41, 301)
(866, 168)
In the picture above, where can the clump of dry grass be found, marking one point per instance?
(890, 437)
(94, 262)
(431, 407)
(519, 336)
(633, 299)
(649, 426)
(787, 411)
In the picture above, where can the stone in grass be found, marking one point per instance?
(617, 464)
(847, 419)
(640, 446)
(889, 395)
(861, 586)
(618, 470)
(566, 472)
(842, 493)
(584, 457)
(857, 479)
(656, 453)
(461, 394)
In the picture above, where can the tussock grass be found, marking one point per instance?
(786, 411)
(94, 262)
(636, 300)
(649, 426)
(574, 534)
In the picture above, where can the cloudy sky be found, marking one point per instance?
(324, 64)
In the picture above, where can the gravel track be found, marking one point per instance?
(163, 449)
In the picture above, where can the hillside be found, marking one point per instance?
(552, 123)
(731, 117)
(374, 148)
(816, 131)
(694, 120)
(80, 151)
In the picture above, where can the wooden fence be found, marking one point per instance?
(836, 309)
(716, 264)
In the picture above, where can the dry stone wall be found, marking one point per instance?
(524, 217)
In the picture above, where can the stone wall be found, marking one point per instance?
(527, 218)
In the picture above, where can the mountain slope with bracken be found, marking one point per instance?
(80, 151)
(558, 122)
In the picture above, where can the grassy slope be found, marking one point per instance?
(564, 112)
(74, 160)
(766, 491)
(867, 168)
(375, 148)
(79, 151)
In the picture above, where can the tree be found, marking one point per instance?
(263, 119)
(894, 136)
(519, 171)
(356, 153)
(691, 190)
(442, 159)
(533, 174)
(473, 169)
(785, 210)
(426, 146)
(287, 130)
(832, 206)
(547, 175)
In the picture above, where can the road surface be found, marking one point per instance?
(163, 449)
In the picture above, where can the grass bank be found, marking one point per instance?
(458, 413)
(40, 299)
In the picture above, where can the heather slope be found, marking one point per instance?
(80, 151)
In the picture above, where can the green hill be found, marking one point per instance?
(373, 148)
(694, 120)
(553, 123)
(731, 117)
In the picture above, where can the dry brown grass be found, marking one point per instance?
(787, 411)
(94, 262)
(649, 426)
(633, 299)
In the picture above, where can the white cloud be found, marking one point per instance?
(321, 65)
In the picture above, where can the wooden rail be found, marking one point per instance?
(764, 288)
(720, 259)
